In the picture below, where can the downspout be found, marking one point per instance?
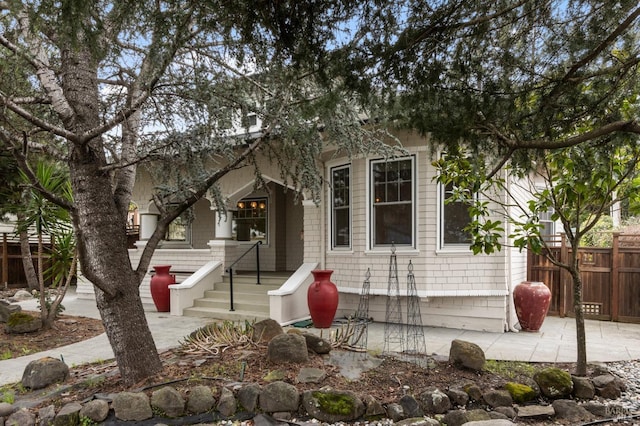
(323, 217)
(511, 310)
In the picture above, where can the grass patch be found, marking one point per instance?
(510, 369)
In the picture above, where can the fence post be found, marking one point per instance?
(615, 277)
(5, 260)
(564, 255)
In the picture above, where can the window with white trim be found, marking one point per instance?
(341, 207)
(392, 202)
(454, 217)
(548, 226)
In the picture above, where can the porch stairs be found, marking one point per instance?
(250, 300)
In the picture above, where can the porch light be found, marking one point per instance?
(262, 206)
(241, 205)
(254, 204)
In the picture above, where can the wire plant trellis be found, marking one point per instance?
(415, 333)
(360, 319)
(393, 327)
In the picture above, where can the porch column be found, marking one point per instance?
(313, 233)
(223, 225)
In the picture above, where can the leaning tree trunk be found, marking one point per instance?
(27, 259)
(99, 219)
(104, 259)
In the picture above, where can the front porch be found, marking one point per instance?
(203, 286)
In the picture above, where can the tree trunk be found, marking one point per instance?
(104, 259)
(581, 339)
(128, 331)
(99, 220)
(27, 259)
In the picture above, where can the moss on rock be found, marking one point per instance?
(332, 403)
(19, 318)
(554, 383)
(520, 393)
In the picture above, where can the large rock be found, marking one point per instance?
(46, 415)
(554, 383)
(95, 410)
(22, 417)
(69, 414)
(317, 344)
(583, 388)
(7, 309)
(265, 330)
(21, 295)
(464, 417)
(6, 409)
(288, 348)
(608, 386)
(411, 406)
(43, 372)
(395, 412)
(458, 397)
(467, 355)
(168, 401)
(132, 406)
(200, 400)
(373, 407)
(332, 406)
(20, 322)
(434, 401)
(248, 396)
(520, 392)
(498, 398)
(537, 412)
(227, 403)
(278, 397)
(571, 412)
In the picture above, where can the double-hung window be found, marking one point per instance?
(392, 202)
(454, 217)
(341, 207)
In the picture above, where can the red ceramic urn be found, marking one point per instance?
(160, 287)
(322, 298)
(531, 299)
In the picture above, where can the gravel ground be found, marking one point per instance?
(629, 371)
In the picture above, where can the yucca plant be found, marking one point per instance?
(43, 217)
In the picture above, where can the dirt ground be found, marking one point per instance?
(66, 330)
(242, 363)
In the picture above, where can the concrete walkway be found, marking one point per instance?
(555, 342)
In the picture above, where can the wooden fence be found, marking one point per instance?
(11, 267)
(610, 277)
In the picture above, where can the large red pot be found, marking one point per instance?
(322, 298)
(531, 299)
(160, 287)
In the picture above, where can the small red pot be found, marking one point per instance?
(531, 299)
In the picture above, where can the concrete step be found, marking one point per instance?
(265, 279)
(239, 287)
(251, 297)
(238, 305)
(250, 300)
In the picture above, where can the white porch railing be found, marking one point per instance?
(182, 295)
(288, 304)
